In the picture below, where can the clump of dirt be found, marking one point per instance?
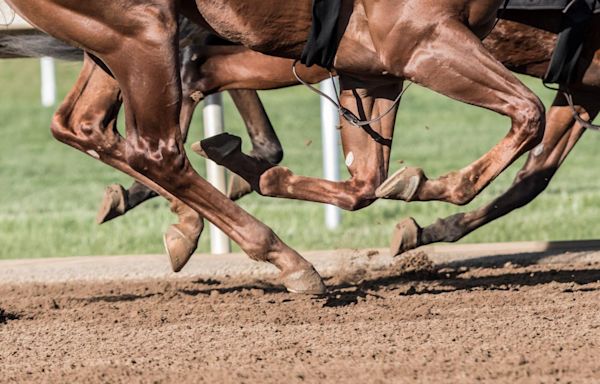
(411, 264)
(6, 316)
(350, 274)
(415, 263)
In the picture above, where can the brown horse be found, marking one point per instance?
(382, 43)
(180, 239)
(525, 44)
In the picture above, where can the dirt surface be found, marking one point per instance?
(411, 323)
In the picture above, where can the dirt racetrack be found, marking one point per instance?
(411, 322)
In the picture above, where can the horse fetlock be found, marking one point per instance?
(450, 229)
(462, 193)
(259, 243)
(274, 180)
(361, 197)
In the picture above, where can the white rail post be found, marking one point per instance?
(214, 125)
(48, 81)
(330, 121)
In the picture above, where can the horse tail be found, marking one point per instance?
(36, 44)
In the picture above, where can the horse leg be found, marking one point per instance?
(366, 159)
(86, 120)
(118, 200)
(221, 68)
(264, 140)
(146, 69)
(455, 63)
(561, 135)
(206, 69)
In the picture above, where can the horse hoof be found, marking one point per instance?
(179, 247)
(197, 147)
(114, 203)
(305, 281)
(402, 185)
(405, 237)
(219, 147)
(238, 187)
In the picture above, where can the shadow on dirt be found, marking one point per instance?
(250, 288)
(118, 298)
(450, 281)
(5, 317)
(343, 294)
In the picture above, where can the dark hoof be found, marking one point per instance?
(219, 147)
(402, 185)
(406, 236)
(179, 247)
(114, 203)
(238, 187)
(305, 281)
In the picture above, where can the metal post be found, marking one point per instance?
(330, 121)
(214, 125)
(48, 82)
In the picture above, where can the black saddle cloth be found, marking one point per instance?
(548, 5)
(322, 42)
(577, 17)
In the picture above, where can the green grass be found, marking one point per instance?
(49, 192)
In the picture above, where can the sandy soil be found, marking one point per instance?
(412, 323)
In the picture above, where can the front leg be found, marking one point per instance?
(453, 62)
(562, 133)
(366, 159)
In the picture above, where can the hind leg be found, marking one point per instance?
(145, 67)
(223, 67)
(86, 120)
(561, 135)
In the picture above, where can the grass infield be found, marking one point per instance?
(49, 192)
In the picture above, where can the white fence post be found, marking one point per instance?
(330, 121)
(214, 125)
(48, 81)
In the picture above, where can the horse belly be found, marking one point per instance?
(275, 27)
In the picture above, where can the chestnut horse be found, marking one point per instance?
(382, 43)
(522, 44)
(525, 44)
(94, 111)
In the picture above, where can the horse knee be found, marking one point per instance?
(529, 121)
